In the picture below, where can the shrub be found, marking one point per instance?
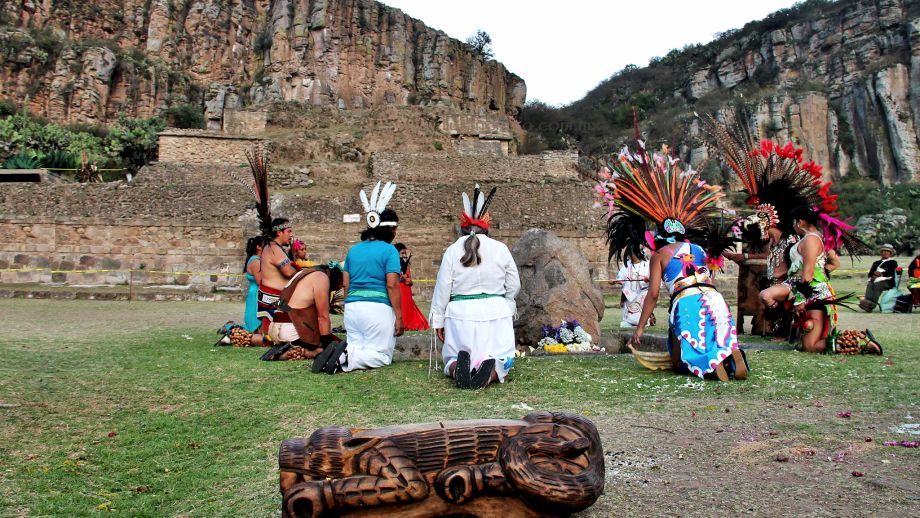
(134, 140)
(186, 116)
(60, 160)
(7, 108)
(480, 44)
(22, 161)
(264, 40)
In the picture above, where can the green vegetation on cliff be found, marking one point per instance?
(128, 144)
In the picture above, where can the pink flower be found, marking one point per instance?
(845, 414)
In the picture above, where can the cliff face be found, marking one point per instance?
(841, 78)
(847, 86)
(85, 62)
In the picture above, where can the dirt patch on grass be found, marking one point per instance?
(742, 462)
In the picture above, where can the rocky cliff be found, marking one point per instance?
(840, 78)
(87, 61)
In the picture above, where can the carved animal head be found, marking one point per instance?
(328, 453)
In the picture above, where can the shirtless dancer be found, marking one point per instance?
(305, 302)
(277, 270)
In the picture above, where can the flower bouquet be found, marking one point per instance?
(569, 337)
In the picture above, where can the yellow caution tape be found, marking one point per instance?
(119, 271)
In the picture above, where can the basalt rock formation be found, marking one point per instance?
(85, 62)
(841, 79)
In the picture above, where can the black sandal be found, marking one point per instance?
(319, 363)
(483, 375)
(872, 340)
(462, 371)
(333, 364)
(740, 368)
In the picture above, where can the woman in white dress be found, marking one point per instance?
(472, 309)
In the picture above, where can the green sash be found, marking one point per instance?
(476, 296)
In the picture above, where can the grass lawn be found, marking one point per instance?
(127, 408)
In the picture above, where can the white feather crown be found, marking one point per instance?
(377, 203)
(477, 207)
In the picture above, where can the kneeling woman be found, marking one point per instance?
(473, 306)
(702, 336)
(654, 189)
(807, 285)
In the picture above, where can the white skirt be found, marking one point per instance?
(370, 327)
(490, 339)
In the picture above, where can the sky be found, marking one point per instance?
(563, 49)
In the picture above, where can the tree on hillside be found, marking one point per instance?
(481, 44)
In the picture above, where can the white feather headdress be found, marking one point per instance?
(377, 203)
(477, 207)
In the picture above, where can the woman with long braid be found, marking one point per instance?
(472, 309)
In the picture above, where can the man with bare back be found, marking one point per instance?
(305, 303)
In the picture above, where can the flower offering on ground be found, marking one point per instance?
(569, 337)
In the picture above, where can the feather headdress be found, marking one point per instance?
(258, 162)
(657, 189)
(778, 180)
(654, 188)
(476, 210)
(377, 203)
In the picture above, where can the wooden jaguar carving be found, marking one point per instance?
(547, 464)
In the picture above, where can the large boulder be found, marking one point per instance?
(556, 284)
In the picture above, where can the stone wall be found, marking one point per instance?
(204, 147)
(117, 202)
(238, 122)
(195, 218)
(198, 176)
(477, 146)
(443, 168)
(98, 251)
(478, 134)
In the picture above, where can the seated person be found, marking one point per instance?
(881, 277)
(633, 280)
(298, 255)
(373, 309)
(473, 305)
(913, 272)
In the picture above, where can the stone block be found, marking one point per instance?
(110, 264)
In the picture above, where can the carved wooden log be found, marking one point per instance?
(547, 464)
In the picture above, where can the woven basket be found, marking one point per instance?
(656, 361)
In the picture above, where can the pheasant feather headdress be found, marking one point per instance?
(656, 188)
(778, 180)
(377, 204)
(258, 162)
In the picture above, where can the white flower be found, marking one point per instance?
(578, 348)
(566, 336)
(546, 341)
(582, 336)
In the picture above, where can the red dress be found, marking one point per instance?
(413, 319)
